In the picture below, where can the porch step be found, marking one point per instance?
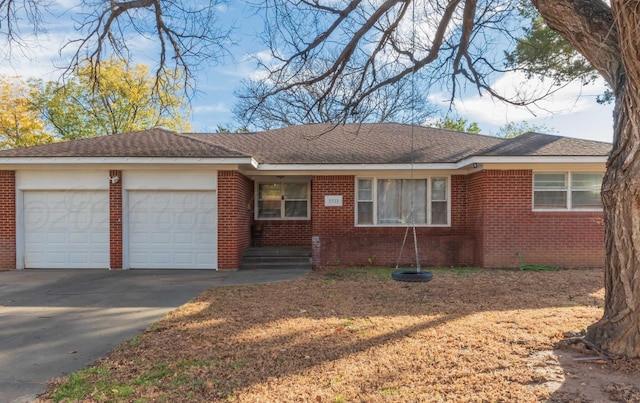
(288, 257)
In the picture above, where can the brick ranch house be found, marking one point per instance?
(159, 199)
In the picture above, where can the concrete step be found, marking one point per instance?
(275, 265)
(287, 257)
(270, 251)
(282, 259)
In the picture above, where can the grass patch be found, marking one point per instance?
(376, 273)
(154, 376)
(193, 363)
(460, 271)
(384, 273)
(95, 382)
(533, 267)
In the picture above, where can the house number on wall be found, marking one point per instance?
(333, 201)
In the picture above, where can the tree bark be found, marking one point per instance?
(618, 332)
(607, 37)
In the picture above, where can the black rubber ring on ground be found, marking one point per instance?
(412, 276)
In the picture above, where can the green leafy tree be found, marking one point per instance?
(514, 129)
(459, 124)
(226, 129)
(542, 52)
(20, 123)
(123, 101)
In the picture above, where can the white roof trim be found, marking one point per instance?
(539, 159)
(354, 167)
(126, 160)
(435, 166)
(302, 167)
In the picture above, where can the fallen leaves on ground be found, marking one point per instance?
(353, 335)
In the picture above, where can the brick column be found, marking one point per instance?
(7, 220)
(235, 212)
(115, 221)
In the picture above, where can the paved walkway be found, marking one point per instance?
(53, 322)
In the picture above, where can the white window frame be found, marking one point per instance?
(282, 201)
(374, 185)
(568, 189)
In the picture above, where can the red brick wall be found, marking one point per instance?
(115, 220)
(337, 241)
(476, 195)
(7, 220)
(282, 233)
(501, 216)
(235, 214)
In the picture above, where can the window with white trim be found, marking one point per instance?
(400, 202)
(282, 200)
(567, 191)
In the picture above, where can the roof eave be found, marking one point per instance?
(355, 167)
(127, 160)
(529, 159)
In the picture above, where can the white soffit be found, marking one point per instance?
(532, 160)
(62, 179)
(18, 161)
(170, 180)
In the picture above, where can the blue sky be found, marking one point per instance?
(572, 112)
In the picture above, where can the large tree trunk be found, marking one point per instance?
(608, 37)
(618, 331)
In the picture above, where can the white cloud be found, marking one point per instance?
(219, 107)
(40, 59)
(572, 111)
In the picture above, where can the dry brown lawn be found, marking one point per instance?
(354, 335)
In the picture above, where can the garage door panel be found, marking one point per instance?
(136, 259)
(56, 238)
(102, 237)
(184, 258)
(66, 229)
(183, 238)
(56, 257)
(172, 229)
(30, 238)
(161, 259)
(206, 238)
(80, 238)
(77, 257)
(204, 257)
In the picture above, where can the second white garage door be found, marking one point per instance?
(172, 229)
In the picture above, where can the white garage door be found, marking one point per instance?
(66, 229)
(173, 230)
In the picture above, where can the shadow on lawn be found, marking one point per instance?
(357, 334)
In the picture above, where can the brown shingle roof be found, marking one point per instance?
(536, 144)
(388, 143)
(149, 143)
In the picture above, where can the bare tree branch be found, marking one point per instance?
(456, 42)
(187, 35)
(18, 14)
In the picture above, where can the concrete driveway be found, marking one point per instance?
(53, 322)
